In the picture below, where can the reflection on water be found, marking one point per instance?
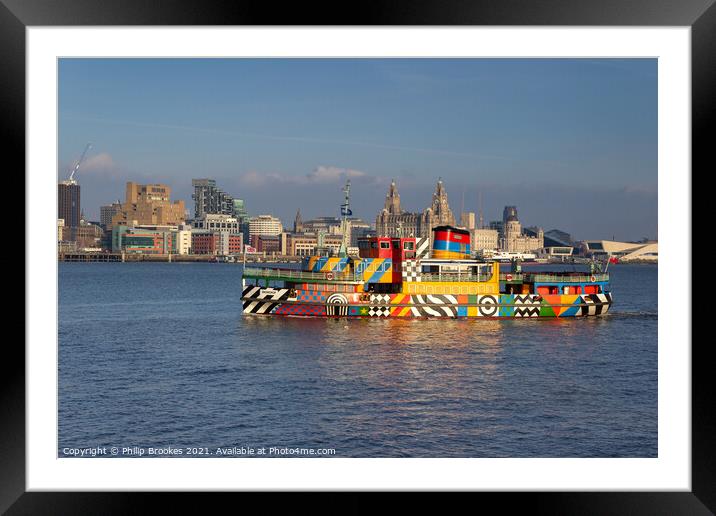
(196, 372)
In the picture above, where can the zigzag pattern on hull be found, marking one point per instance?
(527, 311)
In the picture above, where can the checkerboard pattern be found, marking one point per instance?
(380, 299)
(311, 296)
(379, 311)
(291, 309)
(411, 271)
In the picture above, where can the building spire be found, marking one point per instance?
(298, 222)
(392, 200)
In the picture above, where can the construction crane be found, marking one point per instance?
(79, 162)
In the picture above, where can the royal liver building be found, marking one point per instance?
(393, 221)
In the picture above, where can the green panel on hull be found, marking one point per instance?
(546, 310)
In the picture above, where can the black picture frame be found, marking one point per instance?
(700, 15)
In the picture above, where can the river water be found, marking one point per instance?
(158, 355)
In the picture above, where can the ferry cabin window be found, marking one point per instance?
(374, 245)
(409, 246)
(385, 245)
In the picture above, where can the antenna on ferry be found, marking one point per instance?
(345, 213)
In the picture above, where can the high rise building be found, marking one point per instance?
(68, 203)
(265, 225)
(210, 199)
(467, 220)
(239, 210)
(107, 212)
(149, 205)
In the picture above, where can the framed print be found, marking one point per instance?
(152, 380)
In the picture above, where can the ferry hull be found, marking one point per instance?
(287, 302)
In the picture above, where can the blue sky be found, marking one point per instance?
(571, 142)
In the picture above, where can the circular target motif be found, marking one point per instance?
(336, 299)
(329, 276)
(488, 306)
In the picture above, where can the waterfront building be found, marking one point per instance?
(623, 251)
(498, 226)
(68, 202)
(144, 239)
(514, 239)
(60, 229)
(265, 225)
(555, 253)
(149, 205)
(307, 244)
(217, 222)
(329, 225)
(183, 239)
(392, 221)
(107, 212)
(359, 229)
(215, 243)
(481, 239)
(557, 238)
(86, 235)
(67, 247)
(266, 244)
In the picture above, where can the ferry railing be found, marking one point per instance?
(566, 278)
(454, 277)
(291, 274)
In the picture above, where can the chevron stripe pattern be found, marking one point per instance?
(596, 304)
(422, 248)
(446, 305)
(257, 300)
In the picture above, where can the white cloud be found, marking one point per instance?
(333, 174)
(98, 163)
(320, 175)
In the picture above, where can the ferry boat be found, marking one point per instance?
(404, 277)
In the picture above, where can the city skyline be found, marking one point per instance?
(284, 134)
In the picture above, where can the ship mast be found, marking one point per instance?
(345, 213)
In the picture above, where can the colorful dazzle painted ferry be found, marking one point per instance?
(402, 277)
